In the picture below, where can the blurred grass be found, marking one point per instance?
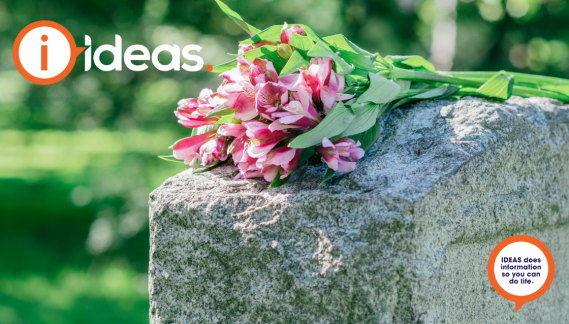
(78, 158)
(55, 187)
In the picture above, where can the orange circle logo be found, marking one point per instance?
(45, 52)
(521, 269)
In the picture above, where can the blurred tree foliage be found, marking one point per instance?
(78, 158)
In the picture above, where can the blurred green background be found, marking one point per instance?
(78, 158)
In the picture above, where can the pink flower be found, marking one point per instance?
(233, 130)
(325, 85)
(246, 164)
(263, 140)
(245, 48)
(263, 71)
(188, 148)
(282, 160)
(269, 99)
(213, 151)
(241, 83)
(341, 155)
(192, 112)
(238, 149)
(286, 32)
(299, 113)
(244, 103)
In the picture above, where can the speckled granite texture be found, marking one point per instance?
(403, 239)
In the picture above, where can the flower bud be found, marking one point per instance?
(285, 51)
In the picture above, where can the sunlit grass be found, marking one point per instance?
(74, 295)
(30, 154)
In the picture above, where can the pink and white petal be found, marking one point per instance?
(289, 167)
(280, 156)
(243, 61)
(346, 166)
(272, 73)
(284, 97)
(198, 122)
(253, 126)
(341, 81)
(192, 141)
(290, 119)
(357, 153)
(327, 143)
(252, 174)
(235, 130)
(289, 81)
(304, 97)
(332, 163)
(276, 126)
(328, 96)
(258, 152)
(183, 154)
(344, 96)
(246, 109)
(270, 172)
(333, 84)
(295, 107)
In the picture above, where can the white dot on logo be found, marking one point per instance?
(44, 52)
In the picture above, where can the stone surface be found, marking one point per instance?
(403, 239)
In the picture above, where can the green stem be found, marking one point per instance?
(530, 92)
(522, 92)
(401, 74)
(518, 77)
(477, 79)
(408, 93)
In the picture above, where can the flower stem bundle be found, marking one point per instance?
(290, 94)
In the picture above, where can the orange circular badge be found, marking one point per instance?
(45, 52)
(521, 269)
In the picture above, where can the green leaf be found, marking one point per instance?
(329, 174)
(267, 52)
(412, 95)
(562, 89)
(170, 158)
(418, 63)
(315, 37)
(404, 84)
(369, 137)
(333, 124)
(221, 110)
(306, 154)
(295, 62)
(499, 86)
(323, 50)
(383, 62)
(301, 43)
(277, 182)
(237, 19)
(343, 43)
(272, 33)
(228, 119)
(224, 67)
(203, 129)
(433, 93)
(380, 90)
(357, 77)
(364, 120)
(359, 61)
(256, 53)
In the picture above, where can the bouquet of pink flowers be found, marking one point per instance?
(290, 94)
